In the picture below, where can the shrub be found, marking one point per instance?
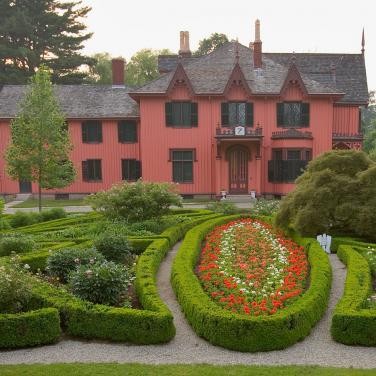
(2, 205)
(21, 219)
(16, 242)
(54, 213)
(62, 262)
(136, 201)
(114, 247)
(223, 206)
(15, 291)
(101, 283)
(265, 207)
(4, 224)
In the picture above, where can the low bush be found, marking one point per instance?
(64, 261)
(265, 207)
(223, 206)
(54, 213)
(15, 242)
(241, 332)
(352, 324)
(22, 219)
(114, 247)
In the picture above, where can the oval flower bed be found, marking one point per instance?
(248, 268)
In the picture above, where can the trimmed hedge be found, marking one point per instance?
(31, 328)
(337, 241)
(240, 332)
(352, 324)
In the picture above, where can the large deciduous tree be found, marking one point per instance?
(211, 43)
(36, 32)
(336, 194)
(39, 147)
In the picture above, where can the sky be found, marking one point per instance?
(122, 27)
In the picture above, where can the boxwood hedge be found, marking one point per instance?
(352, 324)
(245, 333)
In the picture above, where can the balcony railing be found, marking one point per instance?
(291, 134)
(285, 171)
(347, 137)
(249, 133)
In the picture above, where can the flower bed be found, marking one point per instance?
(246, 267)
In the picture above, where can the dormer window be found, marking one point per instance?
(293, 114)
(237, 113)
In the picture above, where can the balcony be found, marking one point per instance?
(352, 137)
(285, 171)
(227, 133)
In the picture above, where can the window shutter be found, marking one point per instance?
(120, 131)
(194, 114)
(84, 132)
(224, 114)
(305, 114)
(85, 171)
(99, 168)
(100, 139)
(280, 110)
(137, 170)
(249, 114)
(168, 112)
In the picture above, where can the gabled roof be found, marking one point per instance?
(209, 74)
(77, 101)
(180, 76)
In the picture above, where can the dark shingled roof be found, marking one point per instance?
(77, 101)
(209, 74)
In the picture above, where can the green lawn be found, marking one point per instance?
(173, 370)
(33, 203)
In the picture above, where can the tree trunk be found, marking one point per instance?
(39, 198)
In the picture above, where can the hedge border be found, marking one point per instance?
(244, 333)
(152, 325)
(32, 328)
(351, 323)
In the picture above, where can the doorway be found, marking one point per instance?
(238, 169)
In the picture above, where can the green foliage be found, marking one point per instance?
(240, 332)
(211, 43)
(40, 146)
(64, 261)
(2, 204)
(16, 242)
(136, 201)
(114, 247)
(56, 40)
(15, 291)
(352, 324)
(223, 206)
(335, 194)
(21, 219)
(4, 224)
(265, 207)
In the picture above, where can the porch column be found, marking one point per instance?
(258, 174)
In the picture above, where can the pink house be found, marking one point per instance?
(237, 119)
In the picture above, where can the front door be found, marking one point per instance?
(25, 186)
(238, 174)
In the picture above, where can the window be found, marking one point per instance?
(92, 131)
(127, 131)
(130, 169)
(181, 114)
(237, 113)
(182, 165)
(293, 114)
(287, 164)
(92, 170)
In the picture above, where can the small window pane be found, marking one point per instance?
(293, 154)
(232, 113)
(241, 113)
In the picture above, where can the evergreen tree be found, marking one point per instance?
(36, 32)
(40, 146)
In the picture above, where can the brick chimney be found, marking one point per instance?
(118, 71)
(184, 50)
(257, 47)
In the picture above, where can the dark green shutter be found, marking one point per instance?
(194, 114)
(249, 114)
(305, 115)
(224, 114)
(168, 112)
(120, 131)
(84, 131)
(280, 108)
(85, 176)
(99, 134)
(137, 170)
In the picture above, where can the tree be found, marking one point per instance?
(335, 194)
(36, 32)
(39, 147)
(100, 72)
(208, 45)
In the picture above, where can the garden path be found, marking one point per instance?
(317, 349)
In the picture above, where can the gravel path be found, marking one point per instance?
(186, 347)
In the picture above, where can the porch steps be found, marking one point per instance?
(239, 198)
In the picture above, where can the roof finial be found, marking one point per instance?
(237, 50)
(293, 58)
(363, 42)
